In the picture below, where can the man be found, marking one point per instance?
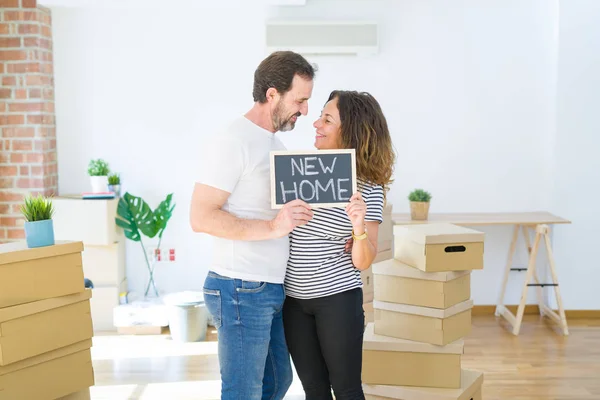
(231, 201)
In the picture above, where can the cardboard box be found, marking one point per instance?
(81, 395)
(31, 329)
(388, 208)
(103, 303)
(40, 273)
(91, 220)
(471, 389)
(423, 324)
(385, 245)
(384, 252)
(386, 228)
(396, 282)
(369, 313)
(383, 255)
(104, 265)
(50, 375)
(390, 361)
(385, 232)
(367, 279)
(439, 247)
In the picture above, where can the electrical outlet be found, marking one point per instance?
(171, 254)
(154, 254)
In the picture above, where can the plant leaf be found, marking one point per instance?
(419, 195)
(135, 217)
(98, 167)
(37, 208)
(163, 213)
(125, 220)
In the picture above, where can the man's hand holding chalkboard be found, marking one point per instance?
(291, 215)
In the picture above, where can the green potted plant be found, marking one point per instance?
(98, 171)
(419, 204)
(136, 218)
(39, 229)
(114, 184)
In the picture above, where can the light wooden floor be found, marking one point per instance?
(538, 364)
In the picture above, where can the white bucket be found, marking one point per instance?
(188, 317)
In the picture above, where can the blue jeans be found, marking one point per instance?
(253, 356)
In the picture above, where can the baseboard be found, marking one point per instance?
(531, 309)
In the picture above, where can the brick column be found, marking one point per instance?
(27, 120)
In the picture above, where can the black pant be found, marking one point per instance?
(324, 337)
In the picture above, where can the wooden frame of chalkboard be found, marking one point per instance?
(320, 162)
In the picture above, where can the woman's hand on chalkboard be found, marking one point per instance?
(357, 210)
(291, 215)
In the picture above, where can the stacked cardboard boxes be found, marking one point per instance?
(422, 311)
(385, 248)
(45, 325)
(92, 221)
(81, 395)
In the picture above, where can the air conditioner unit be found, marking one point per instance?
(316, 37)
(287, 2)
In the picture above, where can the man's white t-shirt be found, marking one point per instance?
(237, 161)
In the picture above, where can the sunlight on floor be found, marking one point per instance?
(202, 390)
(153, 367)
(125, 346)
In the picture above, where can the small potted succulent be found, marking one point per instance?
(39, 228)
(114, 184)
(419, 204)
(98, 171)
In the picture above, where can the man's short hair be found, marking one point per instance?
(277, 71)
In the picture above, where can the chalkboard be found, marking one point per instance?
(322, 178)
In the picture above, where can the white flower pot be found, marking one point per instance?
(99, 183)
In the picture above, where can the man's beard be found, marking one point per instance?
(280, 122)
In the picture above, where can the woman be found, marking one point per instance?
(323, 314)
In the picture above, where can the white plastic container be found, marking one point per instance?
(188, 317)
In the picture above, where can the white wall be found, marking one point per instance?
(576, 168)
(469, 91)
